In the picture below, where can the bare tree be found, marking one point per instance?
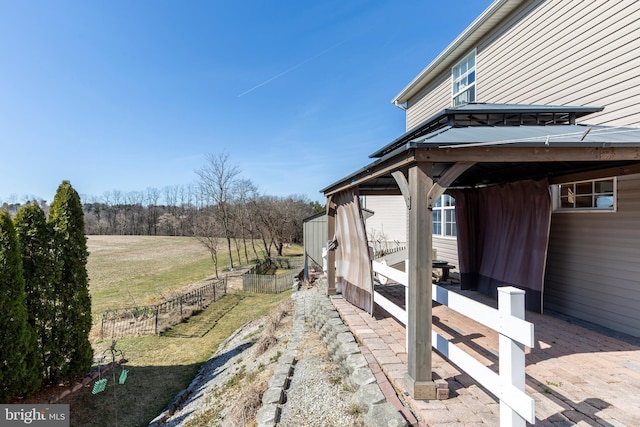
(207, 230)
(217, 182)
(153, 210)
(168, 224)
(245, 192)
(281, 220)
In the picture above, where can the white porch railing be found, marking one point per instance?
(516, 407)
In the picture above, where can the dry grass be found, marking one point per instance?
(161, 366)
(140, 270)
(126, 271)
(268, 338)
(243, 413)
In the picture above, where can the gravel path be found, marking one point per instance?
(317, 395)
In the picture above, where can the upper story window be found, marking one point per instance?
(444, 217)
(464, 80)
(590, 196)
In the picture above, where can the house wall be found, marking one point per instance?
(429, 101)
(390, 220)
(446, 250)
(388, 224)
(593, 271)
(569, 52)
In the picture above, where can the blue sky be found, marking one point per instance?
(127, 95)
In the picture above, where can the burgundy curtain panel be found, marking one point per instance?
(503, 235)
(353, 261)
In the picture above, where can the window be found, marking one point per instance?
(464, 80)
(444, 217)
(597, 195)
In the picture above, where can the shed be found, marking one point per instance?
(315, 239)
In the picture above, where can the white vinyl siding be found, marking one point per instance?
(446, 250)
(569, 52)
(435, 98)
(592, 268)
(389, 220)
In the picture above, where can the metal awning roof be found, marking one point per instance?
(476, 115)
(565, 136)
(551, 146)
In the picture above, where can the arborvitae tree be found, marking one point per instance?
(73, 309)
(16, 337)
(41, 273)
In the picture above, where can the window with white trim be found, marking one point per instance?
(463, 75)
(586, 196)
(444, 217)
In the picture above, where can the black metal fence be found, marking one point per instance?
(153, 319)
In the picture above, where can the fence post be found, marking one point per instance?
(512, 358)
(157, 312)
(114, 323)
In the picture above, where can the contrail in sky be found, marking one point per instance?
(290, 69)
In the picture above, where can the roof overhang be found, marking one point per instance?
(467, 40)
(495, 165)
(502, 153)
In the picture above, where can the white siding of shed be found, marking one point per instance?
(593, 271)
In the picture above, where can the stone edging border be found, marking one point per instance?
(320, 314)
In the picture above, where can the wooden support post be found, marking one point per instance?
(419, 380)
(331, 254)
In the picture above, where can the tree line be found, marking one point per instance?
(44, 294)
(221, 204)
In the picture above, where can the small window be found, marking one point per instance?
(444, 217)
(586, 196)
(463, 75)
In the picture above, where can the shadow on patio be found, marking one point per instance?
(577, 373)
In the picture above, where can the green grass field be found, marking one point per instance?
(139, 270)
(125, 271)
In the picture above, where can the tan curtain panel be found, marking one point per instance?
(353, 262)
(503, 235)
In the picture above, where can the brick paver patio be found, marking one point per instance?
(576, 374)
